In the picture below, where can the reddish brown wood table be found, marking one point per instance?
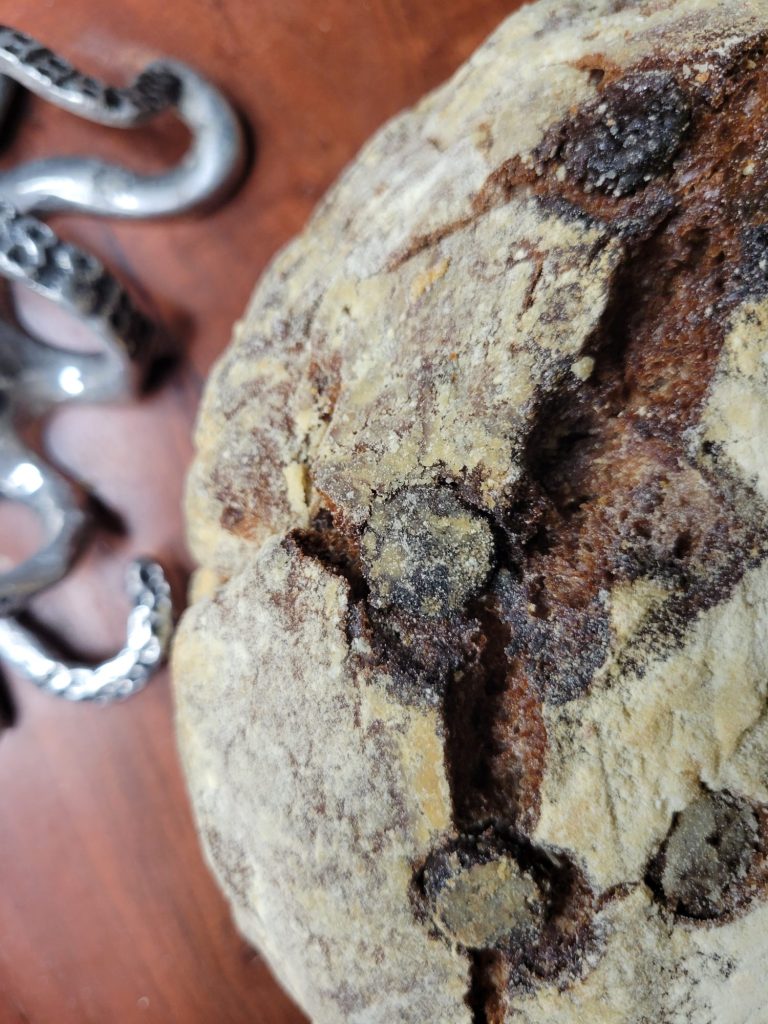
(107, 912)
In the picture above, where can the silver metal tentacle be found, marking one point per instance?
(210, 166)
(31, 254)
(149, 629)
(34, 377)
(26, 480)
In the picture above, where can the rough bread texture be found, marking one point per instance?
(472, 696)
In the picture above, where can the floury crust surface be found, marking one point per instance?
(472, 695)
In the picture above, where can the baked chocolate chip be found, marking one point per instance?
(628, 134)
(707, 856)
(494, 891)
(753, 265)
(483, 901)
(425, 553)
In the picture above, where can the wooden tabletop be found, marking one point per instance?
(107, 912)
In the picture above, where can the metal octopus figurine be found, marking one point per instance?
(35, 377)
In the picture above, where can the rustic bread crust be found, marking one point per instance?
(472, 694)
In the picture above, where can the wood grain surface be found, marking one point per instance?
(107, 912)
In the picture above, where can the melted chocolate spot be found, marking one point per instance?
(708, 865)
(626, 136)
(425, 553)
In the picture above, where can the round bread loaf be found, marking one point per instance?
(472, 695)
